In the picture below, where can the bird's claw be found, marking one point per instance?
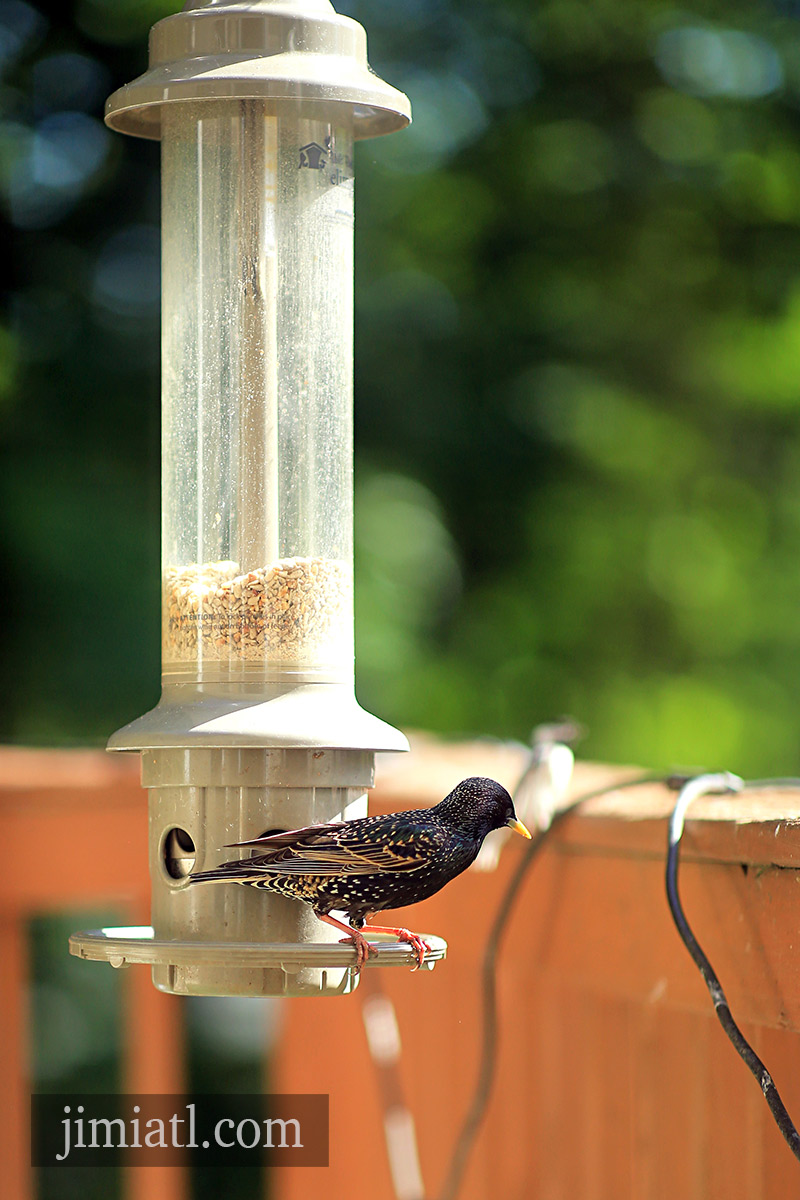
(361, 946)
(364, 949)
(418, 945)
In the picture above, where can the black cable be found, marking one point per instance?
(472, 1121)
(698, 787)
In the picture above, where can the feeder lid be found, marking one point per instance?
(258, 49)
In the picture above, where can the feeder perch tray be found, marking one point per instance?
(122, 945)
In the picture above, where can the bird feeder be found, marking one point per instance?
(257, 104)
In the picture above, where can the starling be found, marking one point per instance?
(363, 866)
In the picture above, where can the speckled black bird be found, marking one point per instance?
(363, 866)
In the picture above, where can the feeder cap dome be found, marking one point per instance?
(300, 50)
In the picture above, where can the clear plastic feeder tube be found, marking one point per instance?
(257, 279)
(257, 104)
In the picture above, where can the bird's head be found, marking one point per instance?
(476, 806)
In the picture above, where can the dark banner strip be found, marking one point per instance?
(145, 1131)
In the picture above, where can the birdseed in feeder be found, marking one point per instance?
(291, 611)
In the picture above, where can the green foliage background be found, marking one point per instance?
(577, 420)
(577, 376)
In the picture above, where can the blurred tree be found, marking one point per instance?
(578, 444)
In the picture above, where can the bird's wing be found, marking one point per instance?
(367, 846)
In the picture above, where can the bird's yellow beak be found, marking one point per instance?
(518, 827)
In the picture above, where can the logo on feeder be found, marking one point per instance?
(313, 156)
(317, 158)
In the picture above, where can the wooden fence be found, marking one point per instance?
(613, 1077)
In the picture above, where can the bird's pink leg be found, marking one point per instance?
(363, 948)
(405, 935)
